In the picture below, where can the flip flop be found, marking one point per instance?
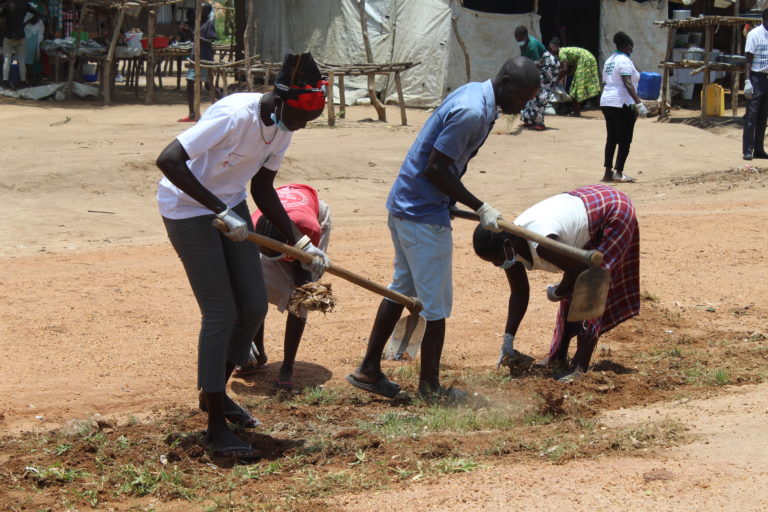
(538, 127)
(240, 454)
(283, 385)
(249, 369)
(623, 179)
(383, 386)
(571, 377)
(186, 119)
(237, 415)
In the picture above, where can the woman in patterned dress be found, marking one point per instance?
(533, 114)
(583, 66)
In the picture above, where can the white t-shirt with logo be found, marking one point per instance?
(757, 45)
(226, 150)
(563, 215)
(615, 93)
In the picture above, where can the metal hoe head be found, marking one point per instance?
(405, 341)
(589, 294)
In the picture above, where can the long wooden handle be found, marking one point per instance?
(413, 304)
(590, 258)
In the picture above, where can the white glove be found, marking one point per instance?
(320, 262)
(551, 295)
(489, 217)
(507, 349)
(641, 109)
(237, 229)
(748, 92)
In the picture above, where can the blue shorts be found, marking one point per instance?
(423, 265)
(191, 74)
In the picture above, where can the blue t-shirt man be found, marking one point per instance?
(457, 129)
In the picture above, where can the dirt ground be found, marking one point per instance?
(98, 332)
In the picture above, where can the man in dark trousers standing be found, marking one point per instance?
(756, 91)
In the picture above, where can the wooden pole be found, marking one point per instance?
(247, 44)
(331, 113)
(380, 110)
(149, 99)
(75, 51)
(198, 16)
(400, 99)
(705, 84)
(106, 78)
(342, 98)
(455, 26)
(663, 113)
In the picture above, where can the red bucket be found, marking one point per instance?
(159, 41)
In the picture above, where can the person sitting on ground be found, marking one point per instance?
(582, 66)
(419, 222)
(532, 115)
(593, 217)
(207, 37)
(240, 141)
(282, 275)
(621, 107)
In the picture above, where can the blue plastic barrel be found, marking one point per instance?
(649, 86)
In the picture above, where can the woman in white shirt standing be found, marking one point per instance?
(620, 105)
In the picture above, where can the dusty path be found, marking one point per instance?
(97, 317)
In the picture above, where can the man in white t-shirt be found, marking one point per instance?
(593, 217)
(621, 106)
(240, 141)
(756, 91)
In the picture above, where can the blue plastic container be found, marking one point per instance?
(649, 86)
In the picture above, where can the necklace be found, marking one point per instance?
(261, 124)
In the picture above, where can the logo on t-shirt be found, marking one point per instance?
(292, 199)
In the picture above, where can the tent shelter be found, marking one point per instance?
(636, 19)
(399, 31)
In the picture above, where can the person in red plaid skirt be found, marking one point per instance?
(594, 217)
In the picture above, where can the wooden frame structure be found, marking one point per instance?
(710, 24)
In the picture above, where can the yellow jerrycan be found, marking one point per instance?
(715, 100)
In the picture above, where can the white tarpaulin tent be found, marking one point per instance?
(636, 19)
(399, 31)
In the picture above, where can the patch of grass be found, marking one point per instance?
(662, 433)
(671, 353)
(451, 465)
(720, 377)
(491, 377)
(147, 479)
(318, 395)
(54, 474)
(399, 424)
(694, 374)
(257, 471)
(538, 418)
(649, 297)
(132, 421)
(403, 372)
(60, 449)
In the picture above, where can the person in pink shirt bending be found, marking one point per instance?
(282, 275)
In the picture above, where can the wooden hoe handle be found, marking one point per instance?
(413, 304)
(590, 258)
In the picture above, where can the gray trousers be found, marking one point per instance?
(228, 284)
